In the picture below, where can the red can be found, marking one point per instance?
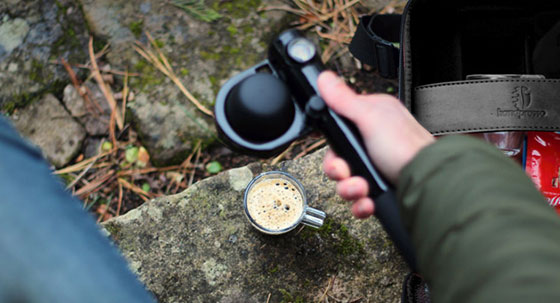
(543, 164)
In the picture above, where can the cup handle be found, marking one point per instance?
(313, 217)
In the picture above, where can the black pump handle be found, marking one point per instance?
(301, 77)
(348, 144)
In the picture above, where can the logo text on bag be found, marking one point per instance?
(521, 98)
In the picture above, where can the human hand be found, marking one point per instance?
(391, 134)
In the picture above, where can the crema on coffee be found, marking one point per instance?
(275, 203)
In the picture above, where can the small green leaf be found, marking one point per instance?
(131, 154)
(390, 90)
(146, 187)
(214, 167)
(106, 146)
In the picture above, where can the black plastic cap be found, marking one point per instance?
(260, 108)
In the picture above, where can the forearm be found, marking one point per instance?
(481, 230)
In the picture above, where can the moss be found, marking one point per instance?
(113, 229)
(183, 71)
(36, 71)
(238, 8)
(273, 270)
(61, 8)
(210, 55)
(247, 29)
(347, 245)
(136, 27)
(232, 30)
(338, 237)
(149, 76)
(24, 99)
(159, 43)
(289, 298)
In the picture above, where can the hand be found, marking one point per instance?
(391, 134)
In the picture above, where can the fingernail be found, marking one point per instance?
(351, 190)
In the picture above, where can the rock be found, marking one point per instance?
(94, 116)
(198, 246)
(32, 34)
(202, 54)
(47, 124)
(92, 147)
(169, 130)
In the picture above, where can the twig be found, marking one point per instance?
(77, 85)
(194, 166)
(185, 165)
(331, 281)
(146, 170)
(284, 153)
(104, 88)
(110, 71)
(93, 185)
(81, 175)
(140, 192)
(310, 148)
(105, 209)
(120, 200)
(268, 299)
(112, 128)
(79, 166)
(300, 229)
(125, 95)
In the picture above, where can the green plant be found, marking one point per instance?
(197, 9)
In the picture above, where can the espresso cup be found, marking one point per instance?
(275, 203)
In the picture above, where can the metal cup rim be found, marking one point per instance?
(300, 188)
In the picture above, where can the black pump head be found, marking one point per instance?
(260, 108)
(256, 113)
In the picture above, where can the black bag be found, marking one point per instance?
(467, 66)
(470, 66)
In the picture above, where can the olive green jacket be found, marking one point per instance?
(481, 230)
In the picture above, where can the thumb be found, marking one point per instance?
(338, 95)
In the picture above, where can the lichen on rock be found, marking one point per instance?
(203, 249)
(32, 35)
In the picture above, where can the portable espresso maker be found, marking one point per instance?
(266, 107)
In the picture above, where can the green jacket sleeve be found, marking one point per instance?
(481, 230)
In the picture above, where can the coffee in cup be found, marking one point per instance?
(275, 203)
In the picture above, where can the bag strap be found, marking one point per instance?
(488, 105)
(377, 42)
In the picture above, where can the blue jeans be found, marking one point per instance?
(51, 250)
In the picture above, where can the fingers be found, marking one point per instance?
(335, 168)
(363, 208)
(349, 188)
(337, 94)
(352, 189)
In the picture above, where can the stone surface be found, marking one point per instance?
(197, 246)
(94, 116)
(47, 124)
(203, 55)
(32, 34)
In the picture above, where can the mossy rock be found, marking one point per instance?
(33, 35)
(202, 54)
(198, 246)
